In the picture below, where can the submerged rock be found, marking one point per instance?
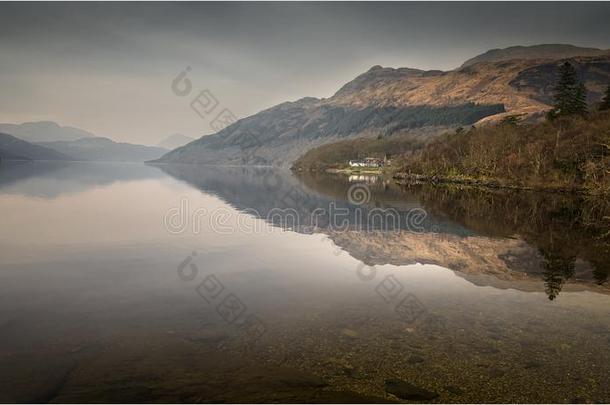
(405, 390)
(415, 359)
(294, 379)
(496, 372)
(352, 372)
(533, 364)
(350, 333)
(454, 389)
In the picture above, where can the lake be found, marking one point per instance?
(187, 283)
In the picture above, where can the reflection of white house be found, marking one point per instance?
(366, 162)
(363, 178)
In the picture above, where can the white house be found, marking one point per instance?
(366, 162)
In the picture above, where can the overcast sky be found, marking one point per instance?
(108, 67)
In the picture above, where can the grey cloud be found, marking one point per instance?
(106, 67)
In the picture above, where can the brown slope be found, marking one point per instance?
(523, 86)
(543, 51)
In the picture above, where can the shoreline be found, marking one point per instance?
(375, 171)
(409, 178)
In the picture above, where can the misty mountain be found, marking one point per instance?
(279, 135)
(12, 148)
(544, 51)
(174, 141)
(104, 149)
(44, 131)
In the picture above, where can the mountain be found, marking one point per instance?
(104, 149)
(12, 148)
(386, 102)
(545, 51)
(44, 131)
(174, 141)
(279, 135)
(522, 86)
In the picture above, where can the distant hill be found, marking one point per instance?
(12, 148)
(79, 144)
(44, 131)
(104, 149)
(174, 141)
(545, 51)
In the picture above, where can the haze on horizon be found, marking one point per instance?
(108, 67)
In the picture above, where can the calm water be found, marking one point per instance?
(126, 282)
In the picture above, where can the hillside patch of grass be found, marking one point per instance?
(571, 153)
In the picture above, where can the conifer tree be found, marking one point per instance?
(580, 100)
(570, 93)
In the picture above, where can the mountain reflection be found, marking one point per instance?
(266, 191)
(527, 241)
(51, 179)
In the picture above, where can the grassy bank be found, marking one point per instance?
(568, 154)
(489, 183)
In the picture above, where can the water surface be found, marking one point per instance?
(126, 282)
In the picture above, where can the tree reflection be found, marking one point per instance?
(562, 227)
(601, 272)
(557, 270)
